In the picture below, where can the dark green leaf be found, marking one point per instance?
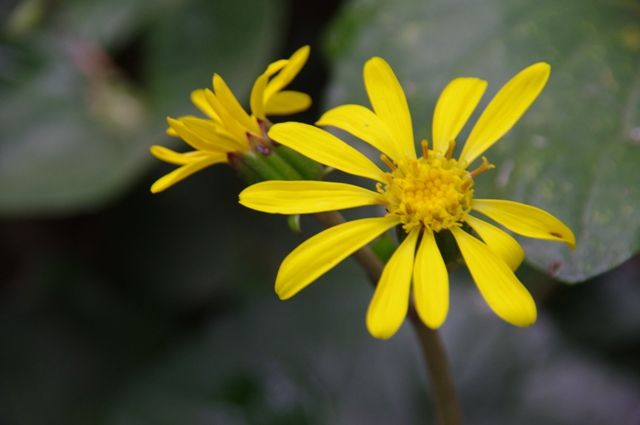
(575, 153)
(85, 92)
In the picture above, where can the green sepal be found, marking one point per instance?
(384, 247)
(294, 224)
(259, 166)
(246, 173)
(306, 167)
(281, 165)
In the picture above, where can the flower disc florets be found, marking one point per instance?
(432, 191)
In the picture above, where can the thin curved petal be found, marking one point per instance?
(288, 72)
(227, 120)
(171, 132)
(212, 134)
(176, 158)
(325, 148)
(256, 100)
(363, 124)
(317, 255)
(199, 99)
(499, 287)
(499, 241)
(185, 171)
(202, 134)
(455, 105)
(287, 102)
(259, 86)
(231, 104)
(505, 109)
(430, 283)
(306, 196)
(390, 302)
(275, 66)
(389, 103)
(177, 127)
(526, 220)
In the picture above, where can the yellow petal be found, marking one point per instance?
(227, 120)
(325, 148)
(499, 287)
(224, 132)
(526, 220)
(508, 105)
(287, 102)
(176, 126)
(185, 171)
(390, 302)
(430, 283)
(257, 92)
(288, 73)
(171, 132)
(304, 197)
(499, 241)
(455, 105)
(317, 255)
(202, 134)
(257, 96)
(199, 99)
(177, 158)
(389, 103)
(211, 133)
(363, 124)
(231, 104)
(276, 67)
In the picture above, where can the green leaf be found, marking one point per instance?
(82, 98)
(194, 39)
(575, 153)
(68, 142)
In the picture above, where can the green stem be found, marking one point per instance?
(444, 394)
(444, 391)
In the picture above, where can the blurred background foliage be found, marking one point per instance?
(118, 307)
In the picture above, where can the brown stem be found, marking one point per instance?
(444, 391)
(445, 399)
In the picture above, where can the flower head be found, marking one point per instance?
(425, 192)
(228, 128)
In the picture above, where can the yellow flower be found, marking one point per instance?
(228, 128)
(425, 195)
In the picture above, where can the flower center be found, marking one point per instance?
(432, 191)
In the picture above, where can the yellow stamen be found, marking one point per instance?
(466, 184)
(430, 192)
(485, 166)
(388, 161)
(425, 148)
(452, 146)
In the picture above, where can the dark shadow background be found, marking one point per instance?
(160, 309)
